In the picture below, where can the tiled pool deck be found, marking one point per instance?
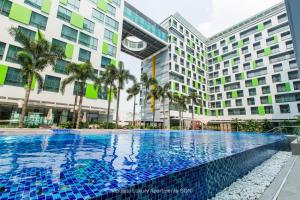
(136, 165)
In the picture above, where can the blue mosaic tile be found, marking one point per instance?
(136, 165)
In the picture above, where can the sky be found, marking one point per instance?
(208, 16)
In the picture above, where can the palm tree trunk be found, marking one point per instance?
(163, 102)
(193, 111)
(153, 115)
(79, 112)
(74, 112)
(25, 104)
(145, 102)
(118, 104)
(133, 117)
(179, 119)
(108, 109)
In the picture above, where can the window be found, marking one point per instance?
(108, 35)
(264, 100)
(74, 4)
(14, 77)
(105, 61)
(59, 43)
(111, 50)
(84, 55)
(276, 78)
(88, 41)
(111, 10)
(296, 85)
(76, 89)
(266, 90)
(27, 32)
(269, 110)
(239, 102)
(64, 14)
(280, 88)
(69, 33)
(5, 7)
(251, 101)
(254, 111)
(252, 92)
(34, 3)
(278, 68)
(2, 49)
(51, 83)
(88, 26)
(12, 53)
(38, 21)
(112, 23)
(60, 66)
(293, 75)
(97, 15)
(285, 109)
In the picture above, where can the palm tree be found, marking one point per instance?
(132, 93)
(108, 79)
(196, 99)
(36, 55)
(123, 76)
(155, 94)
(181, 102)
(80, 73)
(164, 94)
(146, 82)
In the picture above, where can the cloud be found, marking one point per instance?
(226, 13)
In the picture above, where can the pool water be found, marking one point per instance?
(87, 165)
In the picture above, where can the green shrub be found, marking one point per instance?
(65, 125)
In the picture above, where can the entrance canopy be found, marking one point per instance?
(150, 36)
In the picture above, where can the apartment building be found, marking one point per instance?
(88, 31)
(248, 71)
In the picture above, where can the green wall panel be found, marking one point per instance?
(253, 64)
(105, 48)
(69, 51)
(255, 82)
(220, 58)
(270, 100)
(186, 89)
(77, 20)
(102, 5)
(113, 62)
(91, 91)
(46, 6)
(20, 13)
(33, 83)
(276, 39)
(63, 2)
(110, 95)
(267, 51)
(3, 72)
(240, 44)
(173, 85)
(261, 110)
(115, 38)
(198, 110)
(288, 87)
(234, 94)
(223, 80)
(243, 76)
(261, 27)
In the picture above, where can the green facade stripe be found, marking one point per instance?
(198, 110)
(115, 39)
(240, 44)
(105, 48)
(255, 82)
(267, 51)
(69, 51)
(224, 104)
(102, 5)
(20, 13)
(77, 20)
(261, 110)
(33, 83)
(63, 2)
(260, 27)
(46, 6)
(186, 89)
(253, 64)
(288, 87)
(173, 85)
(3, 72)
(270, 100)
(243, 76)
(113, 62)
(276, 39)
(234, 94)
(220, 58)
(223, 80)
(91, 91)
(110, 95)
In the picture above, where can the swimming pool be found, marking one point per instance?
(138, 164)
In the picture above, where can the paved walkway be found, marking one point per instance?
(286, 185)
